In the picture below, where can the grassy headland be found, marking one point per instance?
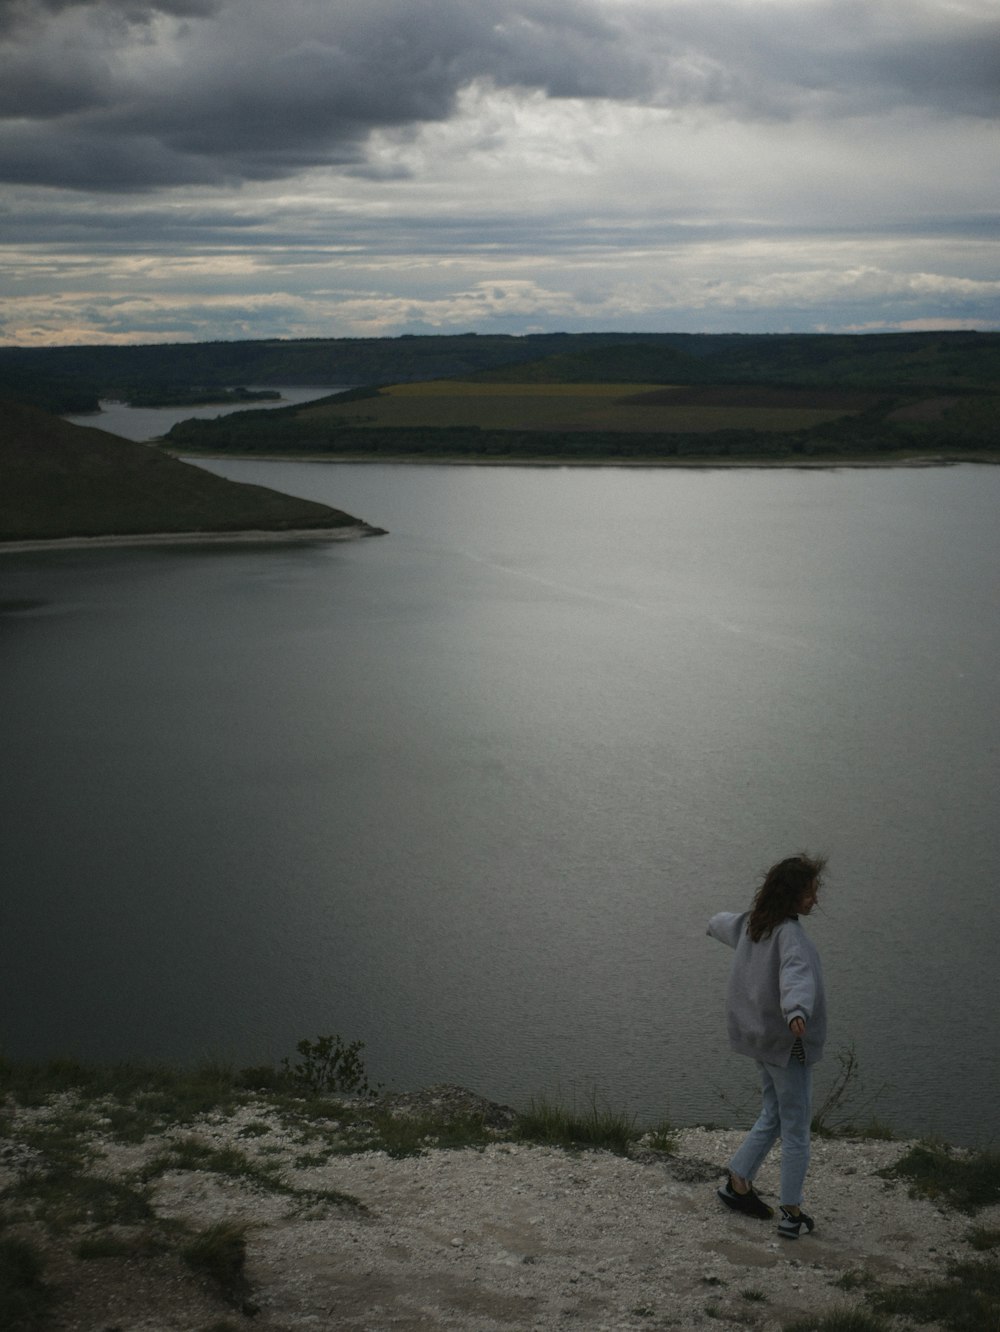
(62, 481)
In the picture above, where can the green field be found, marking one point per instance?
(627, 408)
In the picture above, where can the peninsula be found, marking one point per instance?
(68, 483)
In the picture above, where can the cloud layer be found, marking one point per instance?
(545, 142)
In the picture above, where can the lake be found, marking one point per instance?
(470, 791)
(143, 423)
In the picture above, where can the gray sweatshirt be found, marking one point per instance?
(771, 982)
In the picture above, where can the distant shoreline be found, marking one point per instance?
(990, 459)
(154, 539)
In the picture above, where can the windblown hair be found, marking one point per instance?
(779, 894)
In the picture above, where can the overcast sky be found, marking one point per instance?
(192, 169)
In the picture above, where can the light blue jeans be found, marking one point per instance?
(786, 1114)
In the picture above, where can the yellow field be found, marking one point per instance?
(561, 407)
(463, 388)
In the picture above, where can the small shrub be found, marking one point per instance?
(837, 1114)
(328, 1065)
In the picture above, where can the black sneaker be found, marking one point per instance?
(791, 1226)
(748, 1203)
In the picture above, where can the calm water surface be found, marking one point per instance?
(142, 423)
(469, 792)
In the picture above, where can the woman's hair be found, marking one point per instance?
(779, 894)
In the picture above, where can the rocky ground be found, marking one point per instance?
(507, 1236)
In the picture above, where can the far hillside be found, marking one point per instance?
(882, 362)
(73, 379)
(62, 480)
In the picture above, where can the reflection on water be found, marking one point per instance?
(470, 792)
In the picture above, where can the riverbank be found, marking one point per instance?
(282, 1214)
(790, 463)
(352, 532)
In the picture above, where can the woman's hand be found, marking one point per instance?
(797, 1026)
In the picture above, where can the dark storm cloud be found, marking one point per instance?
(126, 94)
(27, 13)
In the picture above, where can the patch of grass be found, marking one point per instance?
(150, 1099)
(255, 1129)
(219, 1254)
(854, 1280)
(410, 1135)
(982, 1238)
(64, 1198)
(309, 1160)
(32, 1085)
(847, 1320)
(553, 1124)
(25, 1298)
(966, 1300)
(662, 1137)
(193, 1154)
(61, 1139)
(754, 1296)
(314, 1116)
(966, 1181)
(137, 1099)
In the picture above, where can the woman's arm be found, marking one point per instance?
(727, 926)
(796, 980)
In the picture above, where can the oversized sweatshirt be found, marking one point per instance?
(772, 982)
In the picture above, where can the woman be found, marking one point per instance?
(776, 1015)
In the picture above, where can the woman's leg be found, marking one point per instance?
(793, 1086)
(762, 1137)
